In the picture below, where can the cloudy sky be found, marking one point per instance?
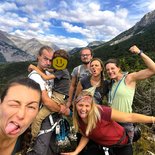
(71, 23)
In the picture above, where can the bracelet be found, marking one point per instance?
(140, 52)
(152, 120)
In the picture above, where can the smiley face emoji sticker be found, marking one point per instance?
(59, 63)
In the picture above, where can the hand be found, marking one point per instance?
(31, 67)
(134, 49)
(64, 110)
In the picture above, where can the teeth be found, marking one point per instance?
(16, 124)
(83, 112)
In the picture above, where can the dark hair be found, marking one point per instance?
(44, 48)
(102, 72)
(25, 81)
(87, 48)
(115, 61)
(61, 53)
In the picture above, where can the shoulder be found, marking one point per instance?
(37, 78)
(85, 78)
(106, 112)
(85, 82)
(75, 71)
(130, 78)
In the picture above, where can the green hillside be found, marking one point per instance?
(9, 71)
(121, 50)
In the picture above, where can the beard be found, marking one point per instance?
(85, 62)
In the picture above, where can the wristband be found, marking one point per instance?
(140, 52)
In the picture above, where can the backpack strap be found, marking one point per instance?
(51, 129)
(111, 98)
(120, 141)
(78, 73)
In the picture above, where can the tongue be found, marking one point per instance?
(10, 127)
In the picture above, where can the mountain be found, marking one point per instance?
(10, 52)
(138, 28)
(14, 48)
(4, 38)
(95, 44)
(91, 45)
(31, 46)
(142, 34)
(74, 50)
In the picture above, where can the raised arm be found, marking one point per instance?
(146, 73)
(43, 75)
(83, 142)
(131, 117)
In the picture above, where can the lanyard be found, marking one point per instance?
(111, 98)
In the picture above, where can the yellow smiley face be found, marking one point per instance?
(59, 63)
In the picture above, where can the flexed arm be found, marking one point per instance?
(147, 60)
(145, 73)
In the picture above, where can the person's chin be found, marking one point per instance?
(85, 62)
(83, 116)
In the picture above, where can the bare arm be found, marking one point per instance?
(71, 91)
(51, 105)
(83, 142)
(78, 89)
(131, 117)
(142, 74)
(44, 76)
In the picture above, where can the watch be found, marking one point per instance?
(140, 52)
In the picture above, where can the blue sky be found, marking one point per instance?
(71, 23)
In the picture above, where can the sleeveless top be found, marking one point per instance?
(123, 97)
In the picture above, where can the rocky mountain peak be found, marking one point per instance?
(148, 19)
(138, 28)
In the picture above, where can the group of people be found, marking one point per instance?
(48, 93)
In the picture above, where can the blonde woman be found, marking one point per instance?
(97, 122)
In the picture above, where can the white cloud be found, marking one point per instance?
(98, 24)
(151, 5)
(84, 17)
(8, 6)
(34, 26)
(60, 41)
(76, 29)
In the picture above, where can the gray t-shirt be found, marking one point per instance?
(62, 81)
(80, 72)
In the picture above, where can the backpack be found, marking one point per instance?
(137, 132)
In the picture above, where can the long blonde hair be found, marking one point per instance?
(93, 117)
